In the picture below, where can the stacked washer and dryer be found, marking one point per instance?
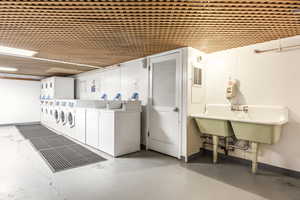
(112, 126)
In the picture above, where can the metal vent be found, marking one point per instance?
(60, 153)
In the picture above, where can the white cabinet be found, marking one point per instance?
(80, 133)
(57, 88)
(106, 132)
(119, 132)
(114, 131)
(92, 127)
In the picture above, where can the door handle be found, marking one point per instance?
(176, 109)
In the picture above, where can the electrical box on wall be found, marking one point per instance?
(231, 90)
(57, 88)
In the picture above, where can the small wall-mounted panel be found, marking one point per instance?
(197, 76)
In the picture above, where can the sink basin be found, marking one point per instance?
(261, 133)
(214, 121)
(262, 124)
(257, 124)
(216, 127)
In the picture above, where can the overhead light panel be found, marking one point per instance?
(8, 69)
(16, 51)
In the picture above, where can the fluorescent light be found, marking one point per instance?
(16, 51)
(8, 69)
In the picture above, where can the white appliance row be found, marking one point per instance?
(113, 127)
(57, 88)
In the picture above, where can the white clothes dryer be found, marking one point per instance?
(46, 113)
(71, 119)
(42, 115)
(63, 117)
(56, 116)
(51, 120)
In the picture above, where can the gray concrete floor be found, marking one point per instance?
(265, 183)
(143, 175)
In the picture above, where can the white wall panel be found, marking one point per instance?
(265, 79)
(134, 78)
(130, 77)
(19, 102)
(111, 82)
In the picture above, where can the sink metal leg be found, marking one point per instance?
(215, 148)
(254, 156)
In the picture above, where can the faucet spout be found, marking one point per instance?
(239, 108)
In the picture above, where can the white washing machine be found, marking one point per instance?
(42, 112)
(51, 121)
(56, 115)
(45, 104)
(46, 113)
(63, 117)
(71, 119)
(120, 128)
(92, 122)
(80, 118)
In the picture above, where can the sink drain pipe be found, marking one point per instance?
(254, 146)
(215, 148)
(229, 146)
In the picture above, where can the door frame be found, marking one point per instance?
(179, 98)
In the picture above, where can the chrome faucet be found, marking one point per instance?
(245, 109)
(239, 108)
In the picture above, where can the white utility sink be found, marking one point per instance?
(257, 124)
(260, 124)
(214, 121)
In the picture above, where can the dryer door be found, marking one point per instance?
(56, 116)
(63, 117)
(71, 119)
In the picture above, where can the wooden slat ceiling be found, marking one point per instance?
(40, 67)
(107, 32)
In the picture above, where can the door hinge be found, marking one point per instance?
(148, 134)
(149, 67)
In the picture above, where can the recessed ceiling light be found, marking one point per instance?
(16, 51)
(8, 69)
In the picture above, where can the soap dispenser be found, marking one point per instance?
(231, 89)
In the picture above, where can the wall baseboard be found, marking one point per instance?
(242, 161)
(25, 123)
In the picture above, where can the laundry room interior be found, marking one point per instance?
(149, 99)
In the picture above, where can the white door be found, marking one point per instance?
(165, 103)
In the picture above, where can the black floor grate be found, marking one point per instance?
(35, 131)
(59, 152)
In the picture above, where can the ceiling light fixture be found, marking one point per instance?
(8, 69)
(16, 51)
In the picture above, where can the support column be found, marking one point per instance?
(215, 148)
(254, 156)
